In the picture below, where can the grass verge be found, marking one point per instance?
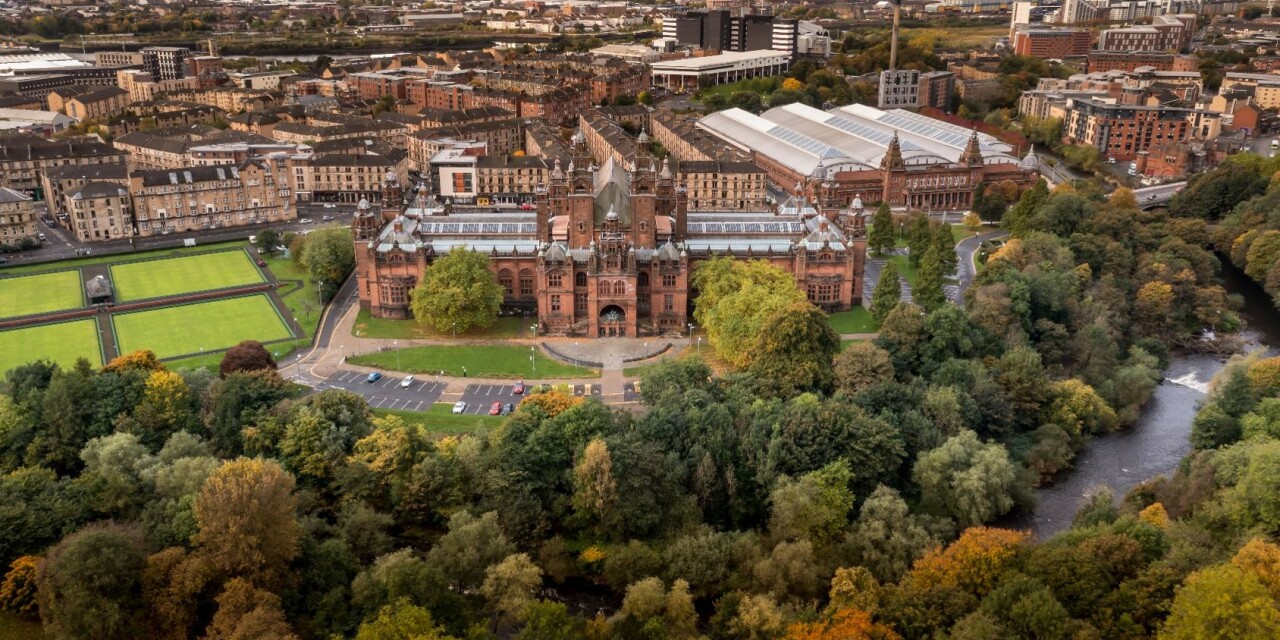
(118, 258)
(478, 361)
(439, 420)
(367, 326)
(855, 320)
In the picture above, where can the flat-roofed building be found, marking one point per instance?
(691, 73)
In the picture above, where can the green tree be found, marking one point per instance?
(919, 237)
(90, 584)
(815, 507)
(457, 292)
(1018, 218)
(545, 620)
(794, 349)
(881, 238)
(329, 256)
(944, 243)
(509, 587)
(1216, 192)
(887, 539)
(887, 293)
(966, 479)
(736, 298)
(471, 546)
(927, 291)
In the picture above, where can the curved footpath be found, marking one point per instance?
(334, 342)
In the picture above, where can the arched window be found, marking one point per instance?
(505, 279)
(526, 283)
(580, 279)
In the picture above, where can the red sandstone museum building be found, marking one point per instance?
(606, 252)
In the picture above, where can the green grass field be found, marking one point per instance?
(190, 328)
(855, 320)
(480, 361)
(62, 343)
(41, 293)
(367, 326)
(173, 276)
(439, 420)
(299, 297)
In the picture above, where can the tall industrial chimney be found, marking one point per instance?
(893, 39)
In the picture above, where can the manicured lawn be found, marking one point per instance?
(172, 276)
(115, 258)
(439, 420)
(41, 293)
(959, 232)
(480, 361)
(14, 628)
(300, 298)
(368, 326)
(209, 326)
(906, 269)
(61, 342)
(855, 320)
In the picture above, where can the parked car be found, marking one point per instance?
(261, 262)
(330, 205)
(407, 382)
(326, 219)
(373, 377)
(518, 389)
(306, 221)
(459, 406)
(495, 409)
(508, 408)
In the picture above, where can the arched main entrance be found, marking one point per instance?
(613, 321)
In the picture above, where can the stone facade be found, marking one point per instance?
(607, 252)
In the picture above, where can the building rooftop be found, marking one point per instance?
(707, 63)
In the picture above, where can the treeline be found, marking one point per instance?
(803, 494)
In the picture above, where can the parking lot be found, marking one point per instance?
(387, 393)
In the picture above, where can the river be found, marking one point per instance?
(1160, 439)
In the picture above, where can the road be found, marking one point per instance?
(1160, 193)
(60, 244)
(966, 250)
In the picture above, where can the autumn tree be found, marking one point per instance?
(401, 621)
(246, 518)
(247, 612)
(457, 292)
(845, 624)
(1223, 602)
(596, 491)
(140, 360)
(887, 293)
(18, 591)
(249, 355)
(882, 236)
(862, 365)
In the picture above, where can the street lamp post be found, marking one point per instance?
(533, 359)
(395, 344)
(455, 331)
(319, 287)
(699, 345)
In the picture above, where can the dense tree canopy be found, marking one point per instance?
(457, 292)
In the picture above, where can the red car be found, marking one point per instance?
(262, 263)
(518, 389)
(496, 409)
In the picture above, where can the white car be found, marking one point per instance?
(407, 382)
(306, 221)
(330, 205)
(459, 406)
